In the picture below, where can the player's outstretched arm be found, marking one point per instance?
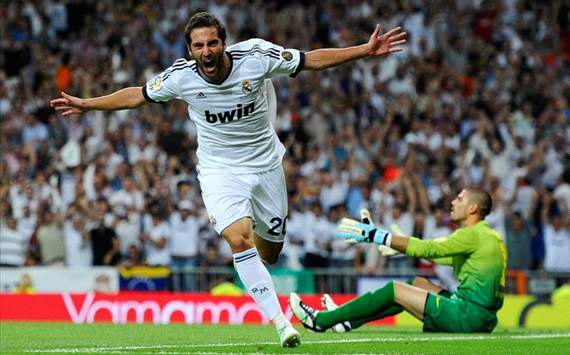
(123, 99)
(378, 45)
(365, 231)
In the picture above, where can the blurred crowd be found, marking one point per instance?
(479, 96)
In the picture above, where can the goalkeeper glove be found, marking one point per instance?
(364, 231)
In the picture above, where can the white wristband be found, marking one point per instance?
(388, 240)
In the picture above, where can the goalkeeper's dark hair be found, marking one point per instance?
(204, 19)
(482, 198)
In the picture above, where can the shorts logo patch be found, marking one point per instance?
(437, 301)
(288, 56)
(246, 86)
(156, 83)
(212, 220)
(260, 290)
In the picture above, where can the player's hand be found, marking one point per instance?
(362, 232)
(387, 251)
(68, 105)
(381, 44)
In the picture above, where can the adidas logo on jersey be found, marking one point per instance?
(229, 116)
(200, 95)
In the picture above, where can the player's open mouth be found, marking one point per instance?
(209, 66)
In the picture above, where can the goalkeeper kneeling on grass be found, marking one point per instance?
(476, 252)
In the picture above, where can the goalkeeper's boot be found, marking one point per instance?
(329, 305)
(305, 313)
(289, 337)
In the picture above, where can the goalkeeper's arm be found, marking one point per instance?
(365, 231)
(399, 243)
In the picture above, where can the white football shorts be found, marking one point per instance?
(263, 197)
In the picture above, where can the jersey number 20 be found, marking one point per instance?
(276, 224)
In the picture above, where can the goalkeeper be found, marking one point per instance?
(476, 252)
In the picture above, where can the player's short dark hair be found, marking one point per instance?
(204, 19)
(482, 198)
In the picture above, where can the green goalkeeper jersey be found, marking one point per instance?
(479, 259)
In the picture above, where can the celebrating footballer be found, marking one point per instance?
(239, 154)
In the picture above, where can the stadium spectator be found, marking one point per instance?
(50, 238)
(132, 257)
(156, 237)
(22, 196)
(213, 257)
(127, 225)
(402, 216)
(562, 193)
(27, 223)
(317, 235)
(518, 240)
(35, 132)
(13, 244)
(125, 190)
(104, 242)
(78, 250)
(26, 285)
(556, 235)
(226, 288)
(184, 244)
(343, 255)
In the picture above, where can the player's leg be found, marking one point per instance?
(429, 286)
(362, 307)
(426, 284)
(410, 298)
(417, 281)
(269, 203)
(438, 313)
(256, 278)
(252, 273)
(239, 235)
(228, 201)
(268, 250)
(387, 312)
(373, 305)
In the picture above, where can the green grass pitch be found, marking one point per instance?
(60, 338)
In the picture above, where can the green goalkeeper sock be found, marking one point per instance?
(390, 311)
(360, 308)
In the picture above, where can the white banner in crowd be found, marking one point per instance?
(60, 279)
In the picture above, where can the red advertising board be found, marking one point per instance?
(143, 307)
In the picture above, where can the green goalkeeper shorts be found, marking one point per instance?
(454, 315)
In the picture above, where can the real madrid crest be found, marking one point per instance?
(287, 55)
(246, 86)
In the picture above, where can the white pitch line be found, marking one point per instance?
(215, 353)
(337, 341)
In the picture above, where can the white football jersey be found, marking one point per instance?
(232, 117)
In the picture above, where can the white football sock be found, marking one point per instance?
(256, 279)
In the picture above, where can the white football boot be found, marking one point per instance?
(305, 313)
(330, 305)
(289, 337)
